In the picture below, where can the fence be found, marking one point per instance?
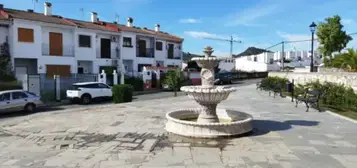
(45, 85)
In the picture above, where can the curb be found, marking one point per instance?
(341, 117)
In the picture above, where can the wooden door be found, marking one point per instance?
(62, 70)
(56, 44)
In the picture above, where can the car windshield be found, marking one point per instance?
(75, 87)
(30, 93)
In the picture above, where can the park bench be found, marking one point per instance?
(309, 97)
(277, 89)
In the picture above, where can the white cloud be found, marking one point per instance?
(202, 34)
(250, 16)
(189, 20)
(347, 21)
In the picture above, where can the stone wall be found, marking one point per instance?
(346, 78)
(322, 69)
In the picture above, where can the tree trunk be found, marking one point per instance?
(175, 92)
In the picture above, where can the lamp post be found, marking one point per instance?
(312, 29)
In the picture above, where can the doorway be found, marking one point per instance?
(153, 80)
(105, 48)
(142, 48)
(56, 44)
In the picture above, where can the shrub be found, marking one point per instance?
(335, 96)
(270, 83)
(122, 93)
(136, 82)
(173, 80)
(10, 86)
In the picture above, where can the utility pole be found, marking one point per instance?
(282, 53)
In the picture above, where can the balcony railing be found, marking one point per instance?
(173, 56)
(114, 54)
(146, 52)
(66, 50)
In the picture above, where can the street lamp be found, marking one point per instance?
(312, 29)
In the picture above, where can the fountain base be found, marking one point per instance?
(231, 122)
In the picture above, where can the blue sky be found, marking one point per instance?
(259, 23)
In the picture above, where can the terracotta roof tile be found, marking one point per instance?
(95, 26)
(104, 26)
(37, 17)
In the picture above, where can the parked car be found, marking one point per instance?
(17, 100)
(223, 78)
(87, 91)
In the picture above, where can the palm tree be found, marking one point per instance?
(347, 61)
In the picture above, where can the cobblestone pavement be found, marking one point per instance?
(133, 135)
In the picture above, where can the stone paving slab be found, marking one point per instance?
(133, 135)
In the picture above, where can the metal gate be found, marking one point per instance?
(34, 84)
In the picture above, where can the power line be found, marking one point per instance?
(231, 41)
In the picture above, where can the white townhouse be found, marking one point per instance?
(260, 60)
(44, 43)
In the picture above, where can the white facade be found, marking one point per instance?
(272, 61)
(227, 64)
(35, 56)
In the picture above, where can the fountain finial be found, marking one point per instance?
(208, 51)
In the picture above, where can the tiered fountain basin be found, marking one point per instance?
(210, 94)
(208, 121)
(231, 123)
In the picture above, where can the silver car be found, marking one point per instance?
(16, 100)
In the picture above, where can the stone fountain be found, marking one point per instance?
(207, 121)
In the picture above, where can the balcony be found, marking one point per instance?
(65, 50)
(171, 55)
(114, 54)
(145, 52)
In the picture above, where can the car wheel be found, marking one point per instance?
(30, 108)
(86, 99)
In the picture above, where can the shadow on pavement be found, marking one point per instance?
(261, 127)
(24, 113)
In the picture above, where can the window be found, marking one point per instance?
(127, 42)
(18, 95)
(30, 93)
(5, 97)
(84, 41)
(255, 59)
(159, 45)
(101, 85)
(25, 35)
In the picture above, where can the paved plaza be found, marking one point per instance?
(133, 135)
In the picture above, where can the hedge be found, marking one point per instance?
(136, 82)
(122, 93)
(10, 86)
(334, 96)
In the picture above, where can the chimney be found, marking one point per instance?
(48, 9)
(130, 22)
(1, 6)
(157, 27)
(94, 17)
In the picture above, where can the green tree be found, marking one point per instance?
(5, 63)
(347, 61)
(173, 80)
(331, 37)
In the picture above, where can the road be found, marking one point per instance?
(152, 96)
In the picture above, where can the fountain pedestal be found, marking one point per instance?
(205, 121)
